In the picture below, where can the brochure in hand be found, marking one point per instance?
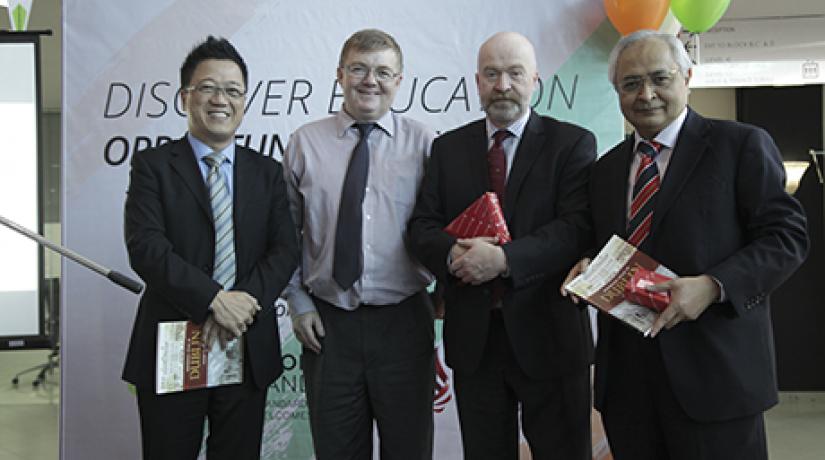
(185, 363)
(603, 283)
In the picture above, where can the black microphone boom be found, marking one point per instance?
(116, 277)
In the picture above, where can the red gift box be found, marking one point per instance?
(636, 290)
(482, 218)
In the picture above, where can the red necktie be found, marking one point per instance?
(497, 164)
(497, 168)
(644, 194)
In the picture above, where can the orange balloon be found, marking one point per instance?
(628, 16)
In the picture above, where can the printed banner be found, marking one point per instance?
(121, 77)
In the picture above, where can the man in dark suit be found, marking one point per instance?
(722, 221)
(511, 339)
(217, 263)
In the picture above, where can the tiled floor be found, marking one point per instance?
(29, 416)
(796, 427)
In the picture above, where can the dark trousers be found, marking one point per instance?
(172, 425)
(555, 412)
(376, 365)
(644, 421)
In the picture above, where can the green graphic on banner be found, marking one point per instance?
(18, 15)
(286, 434)
(580, 93)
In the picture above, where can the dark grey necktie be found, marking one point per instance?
(348, 262)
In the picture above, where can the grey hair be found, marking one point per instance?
(677, 51)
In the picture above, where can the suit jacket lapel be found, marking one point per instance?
(184, 163)
(690, 147)
(478, 171)
(529, 149)
(243, 179)
(617, 186)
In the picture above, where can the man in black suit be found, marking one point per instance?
(511, 339)
(722, 221)
(226, 280)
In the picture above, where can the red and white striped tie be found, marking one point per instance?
(644, 194)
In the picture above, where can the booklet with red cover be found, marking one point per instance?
(186, 362)
(483, 217)
(604, 282)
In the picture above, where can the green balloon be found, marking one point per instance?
(698, 15)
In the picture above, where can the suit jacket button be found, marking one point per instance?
(206, 269)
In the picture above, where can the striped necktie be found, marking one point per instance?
(644, 194)
(221, 201)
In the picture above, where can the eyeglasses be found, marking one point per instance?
(207, 89)
(360, 71)
(516, 74)
(661, 79)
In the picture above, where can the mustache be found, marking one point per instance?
(647, 107)
(503, 96)
(504, 99)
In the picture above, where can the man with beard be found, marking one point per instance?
(511, 339)
(358, 300)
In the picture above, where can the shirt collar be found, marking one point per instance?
(516, 128)
(202, 150)
(344, 121)
(668, 136)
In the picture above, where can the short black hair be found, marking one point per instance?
(211, 48)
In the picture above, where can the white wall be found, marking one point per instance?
(714, 102)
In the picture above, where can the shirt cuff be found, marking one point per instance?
(506, 272)
(722, 296)
(299, 301)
